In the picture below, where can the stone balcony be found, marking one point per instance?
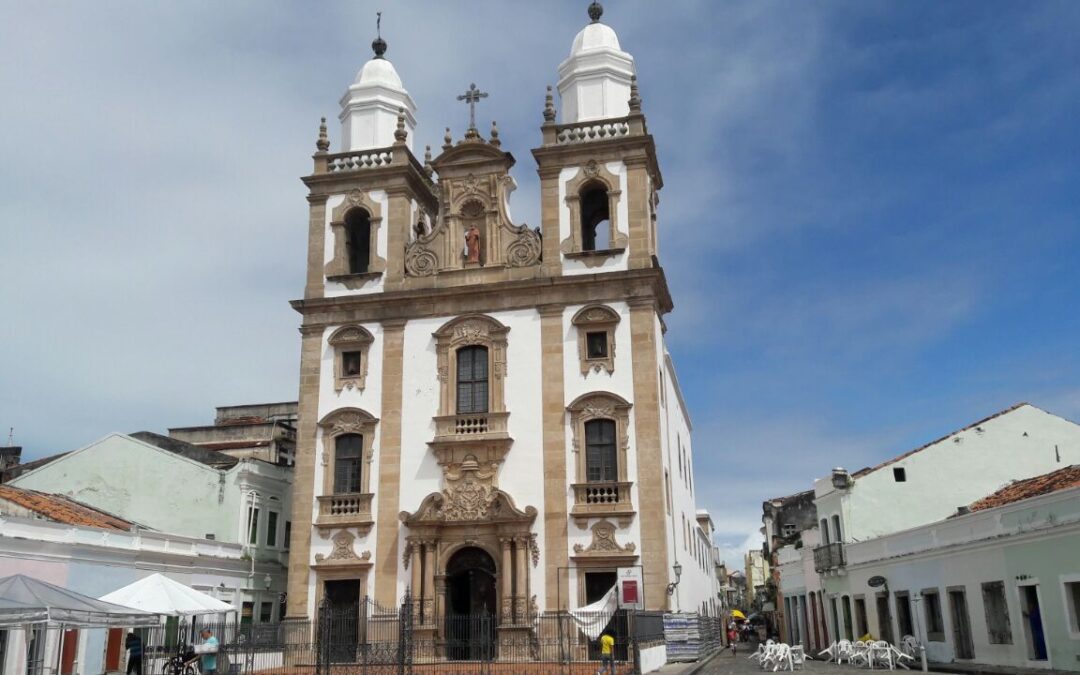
(471, 427)
(602, 499)
(828, 558)
(345, 510)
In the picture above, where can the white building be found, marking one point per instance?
(63, 542)
(170, 486)
(490, 418)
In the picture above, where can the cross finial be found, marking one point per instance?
(472, 97)
(378, 45)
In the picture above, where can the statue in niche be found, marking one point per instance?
(472, 244)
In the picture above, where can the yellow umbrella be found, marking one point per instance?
(737, 614)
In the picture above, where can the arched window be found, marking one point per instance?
(837, 535)
(595, 219)
(601, 460)
(348, 455)
(358, 241)
(472, 380)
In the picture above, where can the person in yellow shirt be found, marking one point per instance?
(607, 655)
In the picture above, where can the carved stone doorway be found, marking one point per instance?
(472, 605)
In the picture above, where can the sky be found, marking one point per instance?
(869, 221)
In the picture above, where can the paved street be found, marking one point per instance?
(725, 664)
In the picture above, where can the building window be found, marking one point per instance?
(350, 345)
(601, 459)
(861, 625)
(355, 226)
(935, 624)
(472, 380)
(899, 474)
(1072, 606)
(348, 458)
(358, 240)
(825, 531)
(271, 528)
(596, 338)
(595, 218)
(789, 529)
(471, 359)
(837, 535)
(667, 489)
(848, 630)
(253, 527)
(997, 613)
(903, 613)
(593, 197)
(266, 612)
(286, 540)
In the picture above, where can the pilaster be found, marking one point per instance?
(314, 284)
(387, 525)
(554, 439)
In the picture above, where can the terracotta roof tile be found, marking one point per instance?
(62, 509)
(1061, 479)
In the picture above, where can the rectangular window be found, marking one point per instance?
(596, 346)
(287, 539)
(1072, 606)
(861, 626)
(935, 624)
(600, 454)
(271, 528)
(348, 454)
(848, 629)
(472, 380)
(253, 527)
(899, 474)
(997, 613)
(266, 612)
(350, 363)
(247, 610)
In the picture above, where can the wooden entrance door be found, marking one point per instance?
(113, 647)
(961, 625)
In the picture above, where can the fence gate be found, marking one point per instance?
(364, 638)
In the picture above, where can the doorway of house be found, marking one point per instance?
(1033, 623)
(884, 617)
(471, 605)
(342, 620)
(961, 624)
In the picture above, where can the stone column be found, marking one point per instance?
(522, 591)
(427, 612)
(506, 579)
(417, 580)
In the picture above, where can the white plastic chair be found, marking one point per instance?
(881, 653)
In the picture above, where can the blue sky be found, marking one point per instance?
(869, 220)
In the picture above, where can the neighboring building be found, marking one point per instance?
(997, 585)
(265, 431)
(489, 416)
(913, 493)
(758, 576)
(71, 544)
(732, 589)
(703, 554)
(10, 456)
(181, 489)
(784, 519)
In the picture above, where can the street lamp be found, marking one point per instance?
(677, 569)
(267, 581)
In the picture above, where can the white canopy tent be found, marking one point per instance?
(25, 600)
(161, 595)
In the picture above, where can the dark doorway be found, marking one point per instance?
(341, 621)
(903, 614)
(1034, 634)
(597, 584)
(961, 624)
(884, 618)
(471, 605)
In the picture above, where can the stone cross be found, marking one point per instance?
(472, 97)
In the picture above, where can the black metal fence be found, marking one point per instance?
(367, 639)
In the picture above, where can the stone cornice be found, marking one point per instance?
(637, 286)
(629, 149)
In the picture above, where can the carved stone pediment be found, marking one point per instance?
(343, 554)
(475, 187)
(604, 544)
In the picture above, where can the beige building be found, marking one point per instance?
(489, 418)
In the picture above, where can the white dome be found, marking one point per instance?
(595, 36)
(379, 72)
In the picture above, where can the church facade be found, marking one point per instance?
(489, 418)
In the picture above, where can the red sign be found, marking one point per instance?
(629, 592)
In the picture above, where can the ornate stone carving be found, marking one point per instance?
(604, 542)
(526, 250)
(350, 339)
(338, 267)
(343, 548)
(596, 319)
(406, 554)
(420, 261)
(534, 549)
(468, 330)
(593, 175)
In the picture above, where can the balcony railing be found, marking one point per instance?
(479, 426)
(828, 557)
(602, 498)
(345, 510)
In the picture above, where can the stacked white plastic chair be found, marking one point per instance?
(844, 651)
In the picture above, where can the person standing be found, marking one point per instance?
(133, 645)
(607, 655)
(209, 652)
